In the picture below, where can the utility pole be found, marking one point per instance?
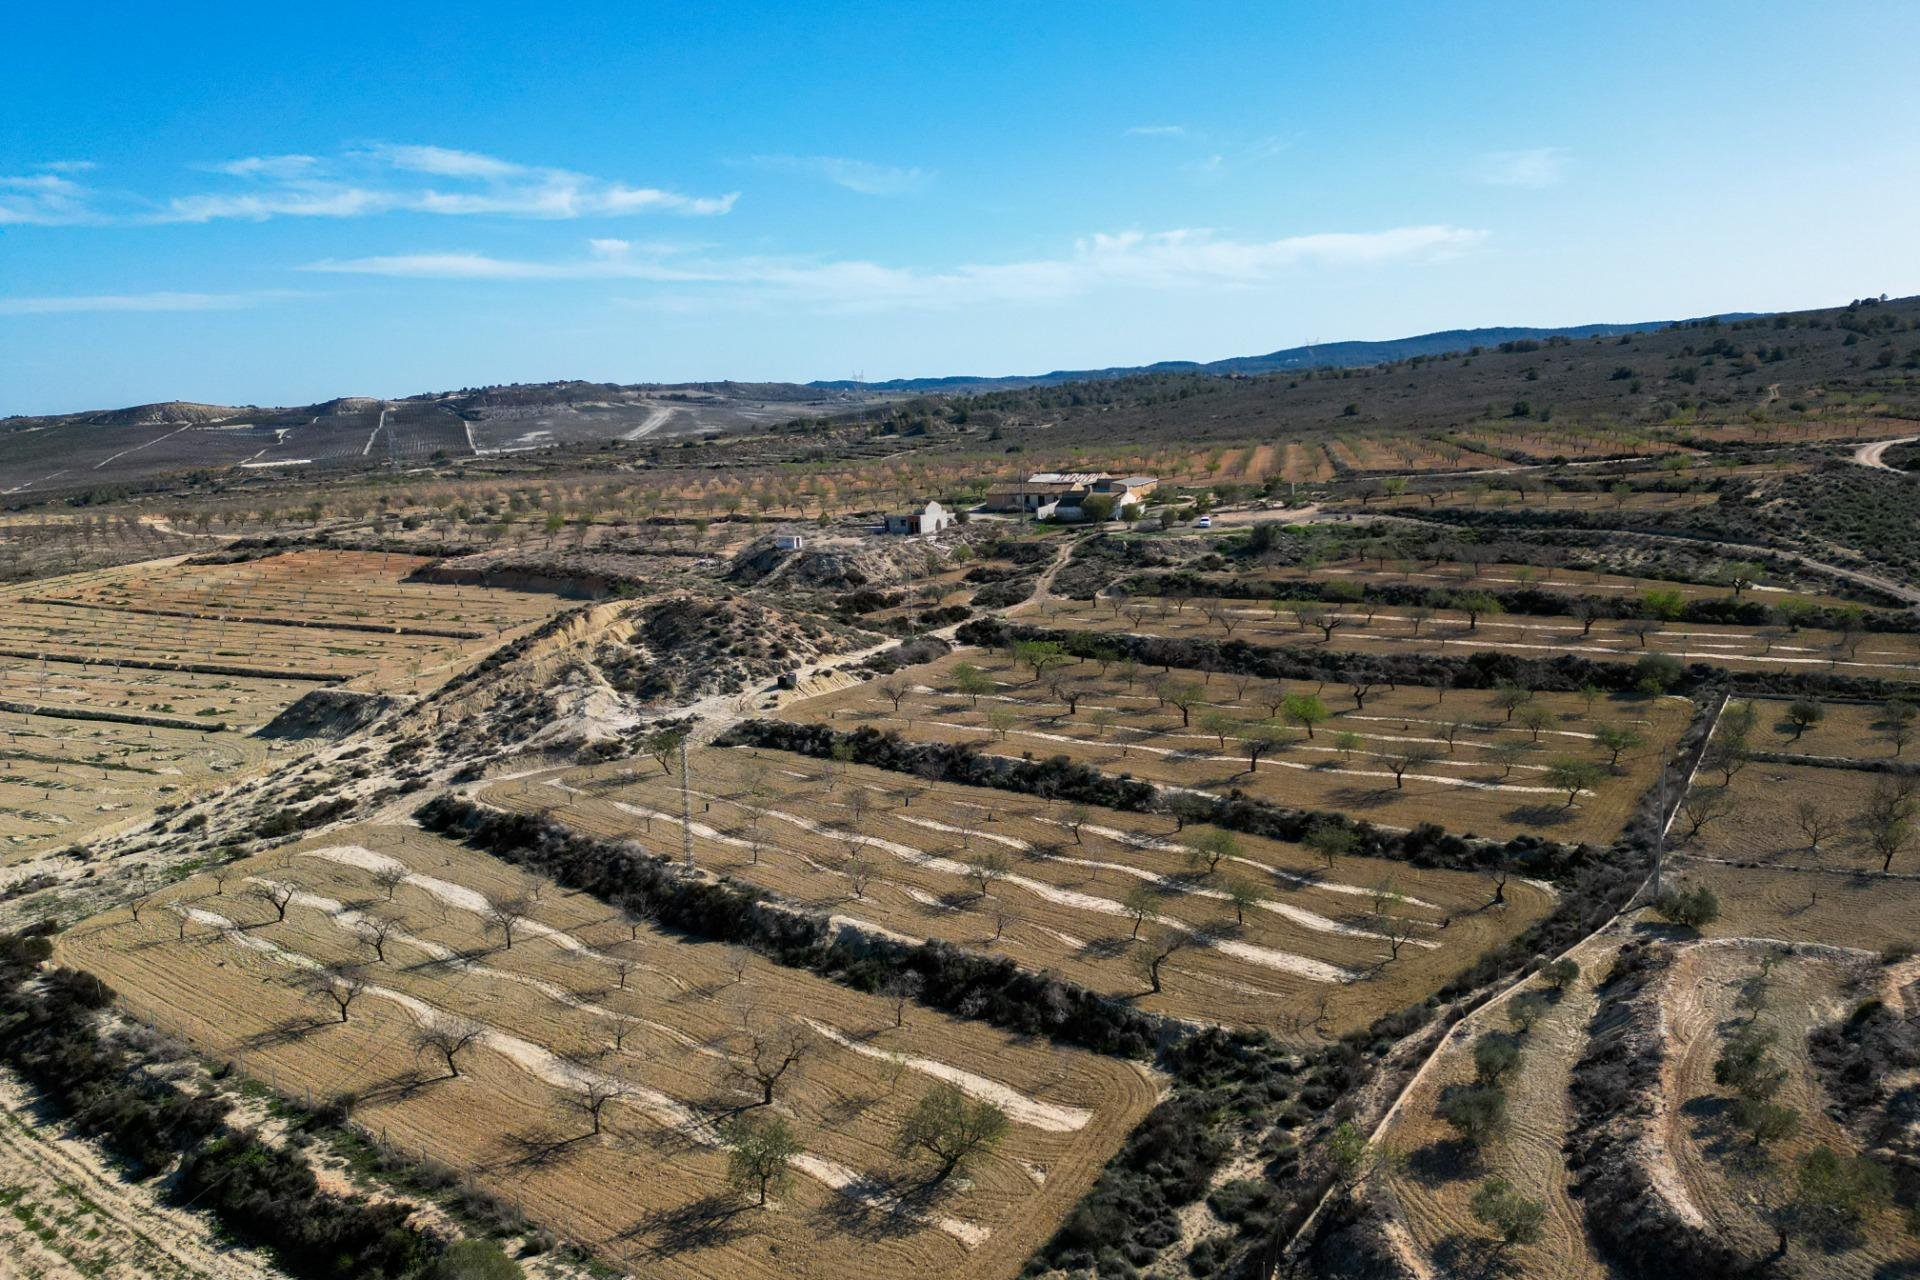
(686, 804)
(1660, 831)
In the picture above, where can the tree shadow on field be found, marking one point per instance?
(707, 1223)
(1442, 1161)
(401, 1087)
(1106, 948)
(1475, 1256)
(1541, 815)
(1360, 797)
(878, 1206)
(541, 1148)
(284, 1032)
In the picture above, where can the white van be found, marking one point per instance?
(1203, 522)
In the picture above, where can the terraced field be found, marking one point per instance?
(62, 780)
(1433, 1179)
(1453, 575)
(1789, 847)
(127, 687)
(1442, 630)
(1719, 1180)
(1008, 873)
(660, 1029)
(1490, 779)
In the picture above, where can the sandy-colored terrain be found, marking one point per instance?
(1433, 1180)
(647, 1192)
(1470, 788)
(1395, 629)
(1314, 944)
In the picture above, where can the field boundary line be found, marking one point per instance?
(1419, 1073)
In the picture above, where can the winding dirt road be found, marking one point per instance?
(1869, 454)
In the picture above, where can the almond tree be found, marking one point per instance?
(375, 930)
(760, 1152)
(1158, 950)
(987, 869)
(339, 983)
(1141, 903)
(765, 1056)
(506, 912)
(953, 1128)
(390, 877)
(277, 894)
(1816, 824)
(591, 1092)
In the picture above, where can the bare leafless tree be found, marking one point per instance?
(623, 1025)
(375, 930)
(339, 983)
(592, 1091)
(276, 894)
(447, 1035)
(390, 877)
(506, 912)
(764, 1056)
(901, 988)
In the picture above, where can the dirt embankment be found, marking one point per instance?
(327, 713)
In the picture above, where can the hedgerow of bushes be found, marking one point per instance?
(623, 873)
(262, 1195)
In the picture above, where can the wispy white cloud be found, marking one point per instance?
(1187, 259)
(1157, 131)
(68, 166)
(382, 179)
(446, 162)
(283, 167)
(75, 304)
(354, 184)
(1535, 168)
(863, 176)
(44, 199)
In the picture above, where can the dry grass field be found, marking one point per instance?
(315, 616)
(62, 781)
(1433, 1178)
(1453, 575)
(1491, 780)
(1761, 824)
(1724, 1183)
(1816, 907)
(667, 1044)
(1392, 628)
(1313, 950)
(1863, 731)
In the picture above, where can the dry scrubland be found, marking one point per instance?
(648, 1191)
(1315, 948)
(64, 1215)
(1492, 782)
(1724, 1184)
(1397, 629)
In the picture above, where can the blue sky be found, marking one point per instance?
(274, 204)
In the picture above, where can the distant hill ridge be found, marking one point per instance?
(1334, 355)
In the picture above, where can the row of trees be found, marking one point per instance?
(1291, 713)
